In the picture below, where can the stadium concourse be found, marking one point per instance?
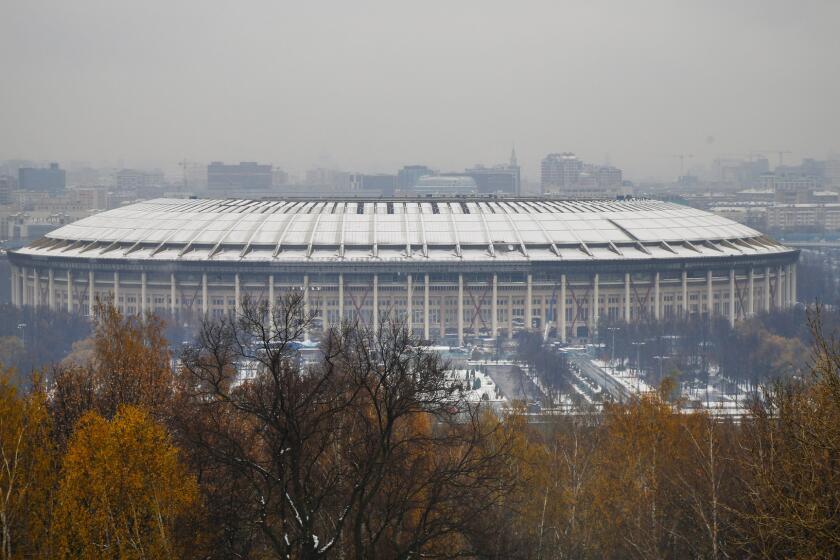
(451, 268)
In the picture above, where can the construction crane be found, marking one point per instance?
(781, 154)
(682, 158)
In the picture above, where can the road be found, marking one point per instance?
(513, 383)
(618, 391)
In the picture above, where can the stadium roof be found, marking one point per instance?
(444, 229)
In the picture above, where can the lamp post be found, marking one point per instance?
(22, 328)
(638, 346)
(612, 346)
(660, 359)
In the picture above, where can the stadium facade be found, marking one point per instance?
(451, 268)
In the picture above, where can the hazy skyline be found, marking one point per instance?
(375, 85)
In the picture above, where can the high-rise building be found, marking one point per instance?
(408, 176)
(5, 190)
(247, 177)
(608, 176)
(44, 179)
(560, 171)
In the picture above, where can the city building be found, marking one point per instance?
(560, 171)
(607, 176)
(247, 177)
(18, 228)
(445, 185)
(740, 172)
(328, 179)
(450, 269)
(790, 189)
(500, 179)
(373, 185)
(804, 217)
(5, 190)
(43, 179)
(407, 176)
(134, 179)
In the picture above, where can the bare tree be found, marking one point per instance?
(371, 449)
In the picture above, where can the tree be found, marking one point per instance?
(124, 491)
(791, 455)
(27, 471)
(126, 362)
(371, 450)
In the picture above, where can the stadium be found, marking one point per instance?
(452, 269)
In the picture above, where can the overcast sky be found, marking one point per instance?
(370, 86)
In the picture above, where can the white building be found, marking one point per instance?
(451, 269)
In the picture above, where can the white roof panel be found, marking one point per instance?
(231, 226)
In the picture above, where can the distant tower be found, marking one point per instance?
(514, 166)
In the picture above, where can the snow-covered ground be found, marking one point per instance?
(477, 386)
(628, 378)
(708, 397)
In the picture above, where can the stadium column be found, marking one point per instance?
(24, 285)
(731, 297)
(793, 283)
(18, 285)
(14, 285)
(543, 313)
(510, 315)
(409, 294)
(779, 286)
(271, 299)
(325, 319)
(788, 284)
(375, 302)
(306, 304)
(529, 302)
(51, 289)
(69, 291)
(426, 307)
(767, 289)
(442, 314)
(751, 293)
(684, 293)
(562, 324)
(237, 306)
(656, 296)
(142, 293)
(710, 296)
(596, 288)
(460, 321)
(116, 290)
(627, 297)
(36, 288)
(205, 305)
(172, 292)
(340, 297)
(494, 308)
(91, 292)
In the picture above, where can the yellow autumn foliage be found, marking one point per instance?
(123, 490)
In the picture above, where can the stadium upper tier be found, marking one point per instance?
(385, 230)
